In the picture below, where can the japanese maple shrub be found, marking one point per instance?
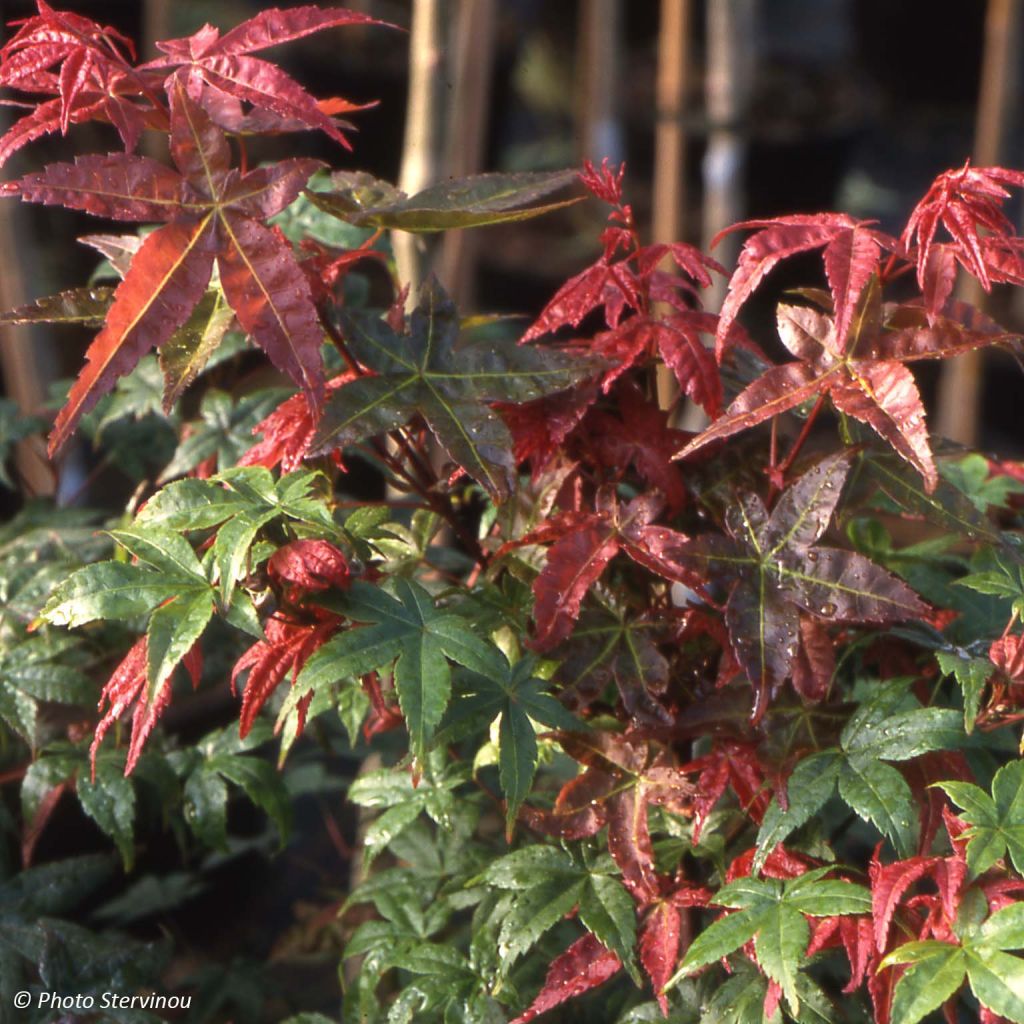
(689, 721)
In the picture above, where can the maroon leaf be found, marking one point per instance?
(659, 947)
(165, 282)
(583, 966)
(815, 662)
(851, 256)
(868, 382)
(776, 391)
(888, 884)
(275, 26)
(729, 765)
(624, 775)
(81, 64)
(574, 564)
(642, 438)
(208, 61)
(288, 432)
(213, 213)
(310, 564)
(271, 298)
(611, 285)
(774, 570)
(883, 395)
(286, 649)
(964, 202)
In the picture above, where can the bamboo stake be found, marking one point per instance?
(728, 81)
(731, 55)
(473, 58)
(26, 353)
(600, 134)
(669, 213)
(423, 146)
(960, 384)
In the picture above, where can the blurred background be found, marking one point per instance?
(721, 109)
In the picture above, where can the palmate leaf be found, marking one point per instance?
(606, 647)
(773, 913)
(966, 202)
(214, 215)
(82, 64)
(866, 380)
(220, 70)
(937, 970)
(996, 821)
(540, 876)
(518, 696)
(882, 729)
(456, 203)
(582, 546)
(401, 801)
(775, 569)
(622, 777)
(409, 631)
(39, 669)
(222, 431)
(851, 253)
(424, 372)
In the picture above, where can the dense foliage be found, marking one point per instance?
(725, 729)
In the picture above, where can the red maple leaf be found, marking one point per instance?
(286, 649)
(310, 565)
(966, 202)
(583, 966)
(854, 934)
(127, 686)
(866, 379)
(635, 282)
(217, 71)
(213, 214)
(639, 436)
(288, 432)
(658, 940)
(86, 67)
(728, 765)
(622, 777)
(584, 544)
(851, 253)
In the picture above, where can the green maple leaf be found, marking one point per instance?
(971, 674)
(37, 670)
(517, 696)
(424, 372)
(996, 822)
(774, 914)
(882, 729)
(241, 501)
(401, 801)
(544, 884)
(411, 633)
(938, 969)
